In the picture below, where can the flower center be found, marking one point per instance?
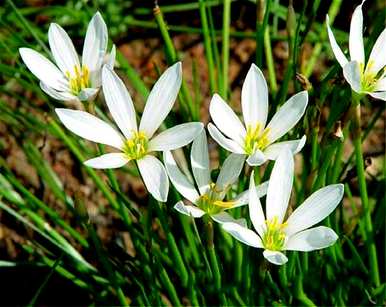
(136, 147)
(79, 80)
(368, 78)
(255, 139)
(211, 202)
(274, 237)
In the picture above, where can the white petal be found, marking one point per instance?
(161, 99)
(178, 179)
(381, 84)
(258, 158)
(275, 257)
(256, 213)
(175, 137)
(119, 102)
(243, 234)
(64, 96)
(44, 69)
(312, 239)
(254, 98)
(88, 94)
(230, 171)
(280, 186)
(89, 127)
(339, 55)
(315, 208)
(228, 144)
(352, 74)
(110, 160)
(243, 198)
(273, 151)
(357, 52)
(287, 116)
(199, 157)
(154, 176)
(377, 59)
(62, 49)
(95, 43)
(226, 120)
(191, 211)
(224, 217)
(110, 58)
(379, 95)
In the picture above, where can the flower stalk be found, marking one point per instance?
(356, 132)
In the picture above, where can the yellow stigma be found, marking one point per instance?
(79, 80)
(368, 78)
(136, 147)
(255, 139)
(274, 237)
(211, 201)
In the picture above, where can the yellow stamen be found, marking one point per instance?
(136, 147)
(212, 203)
(79, 80)
(369, 79)
(274, 237)
(256, 139)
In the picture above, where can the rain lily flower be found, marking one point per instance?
(363, 78)
(274, 235)
(135, 143)
(209, 198)
(255, 139)
(71, 79)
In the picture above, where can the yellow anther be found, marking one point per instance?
(79, 80)
(369, 79)
(136, 147)
(212, 203)
(256, 139)
(274, 237)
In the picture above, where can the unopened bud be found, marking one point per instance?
(291, 21)
(338, 133)
(305, 83)
(260, 10)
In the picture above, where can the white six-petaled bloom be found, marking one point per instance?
(363, 78)
(295, 234)
(209, 198)
(71, 79)
(255, 139)
(135, 143)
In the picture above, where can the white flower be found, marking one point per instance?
(363, 78)
(69, 79)
(256, 139)
(295, 234)
(209, 199)
(135, 143)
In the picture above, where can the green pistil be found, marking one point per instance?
(211, 203)
(255, 139)
(274, 237)
(136, 147)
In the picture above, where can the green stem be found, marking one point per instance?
(270, 62)
(208, 45)
(332, 12)
(169, 287)
(374, 271)
(212, 256)
(182, 271)
(107, 265)
(223, 89)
